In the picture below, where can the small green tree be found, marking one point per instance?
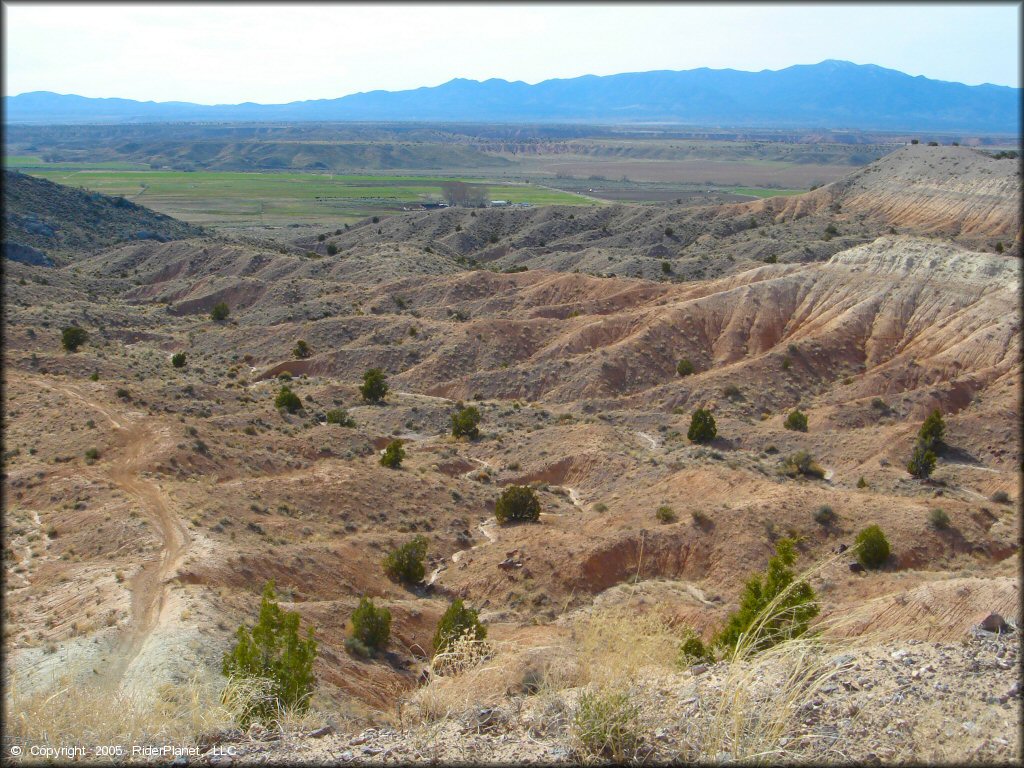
(288, 400)
(393, 455)
(375, 385)
(702, 427)
(464, 423)
(178, 359)
(73, 337)
(922, 462)
(301, 350)
(932, 432)
(774, 606)
(405, 564)
(371, 625)
(517, 503)
(220, 312)
(872, 547)
(797, 420)
(458, 621)
(684, 367)
(274, 653)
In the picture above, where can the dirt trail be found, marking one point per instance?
(149, 586)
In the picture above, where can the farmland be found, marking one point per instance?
(239, 199)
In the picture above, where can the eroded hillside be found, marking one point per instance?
(147, 504)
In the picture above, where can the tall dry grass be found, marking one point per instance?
(73, 714)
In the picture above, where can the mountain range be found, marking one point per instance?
(830, 94)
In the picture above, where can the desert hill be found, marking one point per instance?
(148, 503)
(60, 220)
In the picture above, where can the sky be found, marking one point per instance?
(269, 53)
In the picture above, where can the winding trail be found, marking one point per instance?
(149, 587)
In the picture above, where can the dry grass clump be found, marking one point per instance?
(72, 714)
(606, 723)
(479, 673)
(616, 643)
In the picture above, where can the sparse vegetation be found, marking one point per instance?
(684, 367)
(73, 337)
(702, 427)
(824, 515)
(178, 359)
(872, 547)
(371, 626)
(340, 417)
(796, 421)
(665, 514)
(938, 519)
(273, 653)
(802, 463)
(393, 455)
(457, 622)
(288, 400)
(375, 385)
(606, 724)
(517, 503)
(220, 312)
(465, 421)
(405, 564)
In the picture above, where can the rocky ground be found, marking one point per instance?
(901, 702)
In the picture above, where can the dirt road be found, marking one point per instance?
(149, 587)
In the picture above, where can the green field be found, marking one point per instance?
(763, 191)
(245, 199)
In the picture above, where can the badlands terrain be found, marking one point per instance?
(146, 505)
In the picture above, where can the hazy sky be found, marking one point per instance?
(270, 53)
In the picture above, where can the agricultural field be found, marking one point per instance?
(239, 199)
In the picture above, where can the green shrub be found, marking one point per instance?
(732, 392)
(73, 337)
(774, 607)
(922, 462)
(458, 621)
(302, 349)
(606, 724)
(371, 625)
(1001, 497)
(693, 651)
(938, 519)
(375, 386)
(273, 652)
(178, 359)
(797, 421)
(405, 564)
(92, 455)
(684, 367)
(932, 431)
(702, 427)
(332, 249)
(94, 376)
(464, 423)
(872, 547)
(340, 416)
(123, 393)
(357, 648)
(393, 455)
(288, 400)
(802, 463)
(881, 406)
(666, 267)
(220, 312)
(665, 515)
(786, 363)
(862, 483)
(517, 503)
(824, 515)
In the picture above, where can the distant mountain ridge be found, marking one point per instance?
(831, 94)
